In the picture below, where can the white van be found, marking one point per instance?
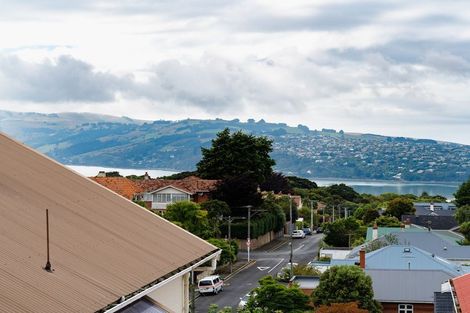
(210, 284)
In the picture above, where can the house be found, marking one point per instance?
(105, 253)
(158, 193)
(433, 215)
(443, 243)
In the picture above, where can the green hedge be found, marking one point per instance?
(272, 221)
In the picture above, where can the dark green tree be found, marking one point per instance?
(343, 191)
(238, 191)
(462, 196)
(302, 183)
(462, 214)
(236, 154)
(387, 221)
(370, 215)
(216, 210)
(272, 296)
(343, 284)
(342, 232)
(400, 206)
(228, 251)
(276, 183)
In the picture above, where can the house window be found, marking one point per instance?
(169, 197)
(405, 308)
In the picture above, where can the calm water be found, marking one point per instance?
(378, 187)
(372, 187)
(93, 171)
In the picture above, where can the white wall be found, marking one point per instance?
(174, 295)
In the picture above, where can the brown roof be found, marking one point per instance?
(190, 184)
(120, 185)
(102, 246)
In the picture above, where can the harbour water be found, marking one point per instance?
(362, 186)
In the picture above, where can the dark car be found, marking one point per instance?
(307, 231)
(319, 230)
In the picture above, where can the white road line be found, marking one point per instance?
(276, 265)
(301, 246)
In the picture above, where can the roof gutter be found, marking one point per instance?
(152, 288)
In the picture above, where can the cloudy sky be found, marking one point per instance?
(388, 67)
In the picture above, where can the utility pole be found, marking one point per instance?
(248, 241)
(230, 240)
(333, 212)
(290, 235)
(311, 216)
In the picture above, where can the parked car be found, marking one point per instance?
(298, 233)
(210, 284)
(307, 231)
(284, 273)
(319, 230)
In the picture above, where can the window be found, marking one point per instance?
(405, 308)
(169, 197)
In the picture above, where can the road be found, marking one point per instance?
(269, 261)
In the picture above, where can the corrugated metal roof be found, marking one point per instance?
(406, 286)
(102, 245)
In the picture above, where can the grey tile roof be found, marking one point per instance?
(443, 302)
(407, 286)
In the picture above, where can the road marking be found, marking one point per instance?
(278, 246)
(263, 268)
(301, 246)
(276, 265)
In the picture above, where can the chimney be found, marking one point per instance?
(431, 206)
(101, 174)
(375, 232)
(402, 226)
(362, 258)
(146, 176)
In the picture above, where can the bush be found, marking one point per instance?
(227, 252)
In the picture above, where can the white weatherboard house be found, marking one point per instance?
(164, 196)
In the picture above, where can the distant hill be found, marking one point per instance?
(90, 139)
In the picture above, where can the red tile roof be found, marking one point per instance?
(462, 289)
(120, 185)
(128, 187)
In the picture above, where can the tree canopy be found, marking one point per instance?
(237, 154)
(272, 296)
(191, 217)
(342, 284)
(462, 214)
(400, 206)
(342, 232)
(462, 196)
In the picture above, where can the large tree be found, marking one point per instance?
(343, 284)
(462, 196)
(342, 232)
(272, 296)
(191, 217)
(237, 154)
(400, 206)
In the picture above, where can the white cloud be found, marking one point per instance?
(383, 67)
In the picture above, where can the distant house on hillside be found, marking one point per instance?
(158, 193)
(433, 215)
(107, 254)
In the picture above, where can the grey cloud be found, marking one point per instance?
(328, 17)
(66, 80)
